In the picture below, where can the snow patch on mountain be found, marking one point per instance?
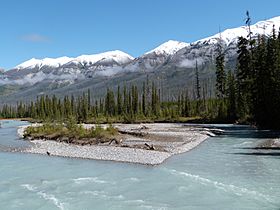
(117, 56)
(52, 62)
(169, 54)
(231, 35)
(170, 47)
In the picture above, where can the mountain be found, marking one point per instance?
(84, 60)
(157, 57)
(168, 48)
(204, 50)
(50, 62)
(70, 69)
(230, 35)
(171, 65)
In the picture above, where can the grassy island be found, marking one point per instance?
(72, 133)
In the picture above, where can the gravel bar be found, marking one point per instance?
(177, 139)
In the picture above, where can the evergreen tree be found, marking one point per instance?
(197, 82)
(243, 77)
(119, 102)
(220, 74)
(144, 99)
(231, 96)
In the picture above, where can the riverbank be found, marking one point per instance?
(19, 119)
(160, 142)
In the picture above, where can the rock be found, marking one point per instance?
(276, 142)
(144, 127)
(53, 136)
(133, 133)
(63, 139)
(217, 131)
(150, 147)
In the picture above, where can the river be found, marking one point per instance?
(221, 173)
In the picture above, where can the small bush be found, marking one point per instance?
(71, 131)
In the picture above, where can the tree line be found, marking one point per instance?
(254, 87)
(249, 93)
(127, 104)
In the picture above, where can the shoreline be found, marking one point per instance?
(19, 119)
(168, 139)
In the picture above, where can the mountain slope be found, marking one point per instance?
(157, 57)
(170, 64)
(65, 68)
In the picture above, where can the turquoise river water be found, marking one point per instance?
(221, 173)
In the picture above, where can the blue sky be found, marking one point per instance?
(53, 28)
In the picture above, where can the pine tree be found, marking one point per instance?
(231, 96)
(88, 100)
(243, 77)
(134, 100)
(110, 103)
(119, 102)
(220, 73)
(197, 89)
(144, 99)
(125, 100)
(186, 105)
(197, 84)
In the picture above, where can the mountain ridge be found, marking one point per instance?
(169, 47)
(171, 63)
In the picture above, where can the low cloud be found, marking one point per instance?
(191, 63)
(35, 38)
(34, 78)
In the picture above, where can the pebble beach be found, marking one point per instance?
(168, 139)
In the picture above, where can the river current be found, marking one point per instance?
(222, 173)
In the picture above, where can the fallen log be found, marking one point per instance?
(133, 133)
(150, 147)
(117, 141)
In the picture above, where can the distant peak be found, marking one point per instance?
(170, 47)
(52, 62)
(274, 19)
(117, 55)
(229, 35)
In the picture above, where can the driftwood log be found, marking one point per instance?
(150, 147)
(133, 133)
(117, 141)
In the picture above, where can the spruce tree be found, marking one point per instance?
(220, 73)
(243, 77)
(119, 101)
(197, 82)
(231, 97)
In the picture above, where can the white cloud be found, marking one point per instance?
(187, 63)
(35, 38)
(39, 77)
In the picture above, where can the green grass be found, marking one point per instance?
(70, 132)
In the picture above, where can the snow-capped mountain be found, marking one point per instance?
(169, 48)
(231, 35)
(172, 60)
(157, 57)
(204, 51)
(116, 56)
(51, 62)
(35, 70)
